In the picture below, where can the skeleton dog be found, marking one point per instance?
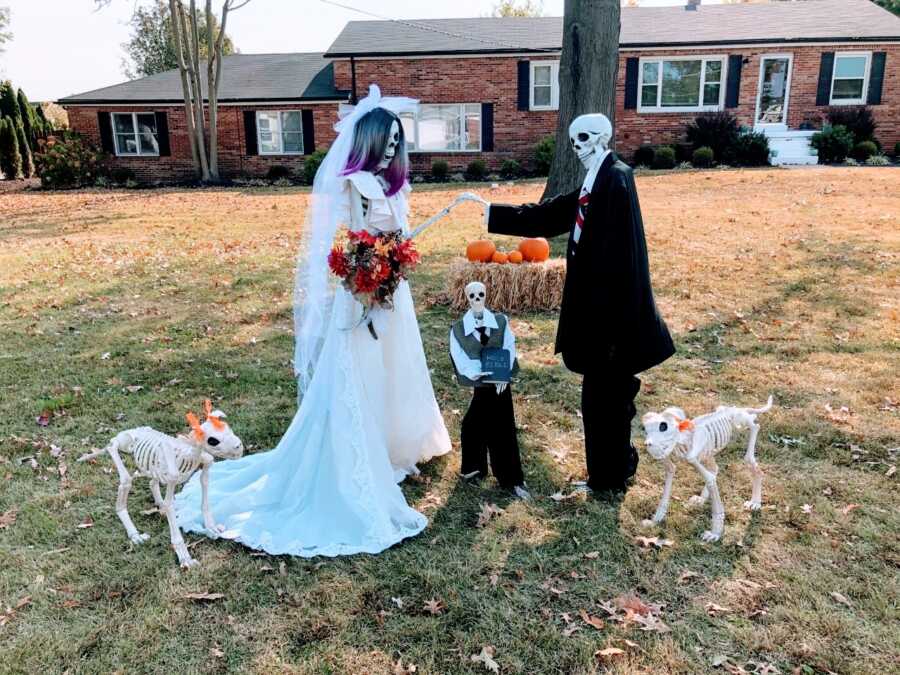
(697, 442)
(171, 462)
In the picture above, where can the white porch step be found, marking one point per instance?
(790, 146)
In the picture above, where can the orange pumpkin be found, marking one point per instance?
(535, 250)
(515, 257)
(500, 258)
(480, 251)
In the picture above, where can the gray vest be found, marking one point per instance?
(471, 345)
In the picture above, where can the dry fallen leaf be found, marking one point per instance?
(8, 518)
(216, 652)
(592, 555)
(203, 596)
(806, 508)
(400, 669)
(714, 610)
(487, 512)
(850, 507)
(687, 574)
(486, 657)
(594, 621)
(841, 598)
(891, 471)
(647, 542)
(609, 653)
(560, 497)
(434, 606)
(86, 523)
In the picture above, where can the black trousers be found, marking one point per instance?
(489, 428)
(607, 408)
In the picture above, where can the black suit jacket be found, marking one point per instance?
(608, 318)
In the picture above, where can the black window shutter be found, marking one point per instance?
(309, 132)
(524, 101)
(733, 84)
(631, 82)
(876, 78)
(162, 134)
(487, 127)
(106, 132)
(823, 93)
(250, 132)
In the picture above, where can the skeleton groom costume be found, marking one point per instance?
(609, 328)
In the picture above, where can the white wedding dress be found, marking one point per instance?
(368, 416)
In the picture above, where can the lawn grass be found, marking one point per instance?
(124, 308)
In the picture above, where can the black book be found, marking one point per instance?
(496, 360)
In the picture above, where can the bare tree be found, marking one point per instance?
(513, 8)
(588, 69)
(5, 35)
(187, 27)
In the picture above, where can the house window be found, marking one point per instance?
(544, 85)
(848, 82)
(682, 84)
(279, 132)
(135, 134)
(443, 127)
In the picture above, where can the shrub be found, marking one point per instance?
(477, 169)
(833, 144)
(897, 149)
(440, 169)
(863, 150)
(278, 171)
(851, 162)
(68, 161)
(510, 168)
(750, 148)
(10, 158)
(857, 120)
(121, 175)
(878, 160)
(24, 150)
(716, 130)
(703, 157)
(311, 165)
(664, 157)
(543, 154)
(644, 155)
(683, 152)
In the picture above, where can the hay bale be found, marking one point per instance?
(510, 288)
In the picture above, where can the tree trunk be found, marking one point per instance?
(185, 84)
(214, 47)
(199, 119)
(588, 70)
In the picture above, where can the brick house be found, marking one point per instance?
(488, 87)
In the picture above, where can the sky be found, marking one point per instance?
(63, 47)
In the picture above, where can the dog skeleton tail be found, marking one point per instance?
(766, 408)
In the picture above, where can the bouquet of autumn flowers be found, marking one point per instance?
(371, 266)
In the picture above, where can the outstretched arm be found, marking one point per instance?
(549, 218)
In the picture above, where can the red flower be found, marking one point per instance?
(338, 262)
(406, 253)
(364, 282)
(362, 236)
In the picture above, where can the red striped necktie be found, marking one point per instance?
(579, 216)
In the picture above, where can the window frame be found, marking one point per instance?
(279, 134)
(135, 133)
(865, 78)
(787, 92)
(554, 85)
(703, 58)
(461, 108)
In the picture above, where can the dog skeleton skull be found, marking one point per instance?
(476, 293)
(391, 149)
(590, 136)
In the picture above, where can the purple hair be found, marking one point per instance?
(370, 138)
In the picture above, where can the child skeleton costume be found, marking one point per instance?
(609, 328)
(489, 426)
(368, 412)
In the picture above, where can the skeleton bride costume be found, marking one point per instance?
(368, 412)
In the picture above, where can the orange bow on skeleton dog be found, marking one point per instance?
(194, 421)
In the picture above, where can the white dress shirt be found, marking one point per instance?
(470, 368)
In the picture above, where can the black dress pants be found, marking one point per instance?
(489, 429)
(607, 408)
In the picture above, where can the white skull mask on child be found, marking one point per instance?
(391, 148)
(590, 136)
(476, 293)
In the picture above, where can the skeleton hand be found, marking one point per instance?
(501, 387)
(471, 197)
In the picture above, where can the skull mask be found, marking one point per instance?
(475, 294)
(590, 136)
(391, 149)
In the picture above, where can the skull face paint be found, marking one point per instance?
(590, 136)
(391, 149)
(476, 293)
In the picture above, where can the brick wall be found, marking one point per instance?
(233, 158)
(494, 80)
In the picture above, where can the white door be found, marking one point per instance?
(774, 90)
